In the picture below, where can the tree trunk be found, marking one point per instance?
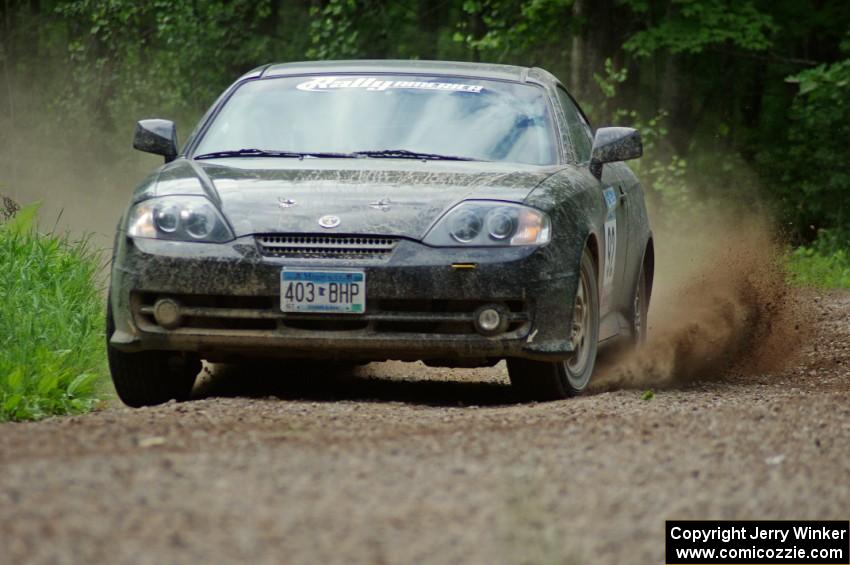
(576, 50)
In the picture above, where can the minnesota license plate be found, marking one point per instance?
(322, 291)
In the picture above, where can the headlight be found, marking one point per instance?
(181, 218)
(490, 223)
(465, 225)
(501, 223)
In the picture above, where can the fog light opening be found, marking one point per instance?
(167, 313)
(491, 319)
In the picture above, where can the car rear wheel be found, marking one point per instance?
(540, 380)
(149, 377)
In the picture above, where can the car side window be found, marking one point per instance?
(579, 130)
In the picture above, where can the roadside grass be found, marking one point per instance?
(820, 266)
(52, 357)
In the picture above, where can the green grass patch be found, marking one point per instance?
(52, 356)
(821, 265)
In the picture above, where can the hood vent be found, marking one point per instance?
(319, 246)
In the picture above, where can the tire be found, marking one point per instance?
(148, 378)
(640, 311)
(539, 380)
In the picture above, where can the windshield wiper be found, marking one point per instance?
(250, 152)
(405, 154)
(377, 154)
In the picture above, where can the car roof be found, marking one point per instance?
(402, 66)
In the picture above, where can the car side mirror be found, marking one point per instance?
(156, 136)
(611, 145)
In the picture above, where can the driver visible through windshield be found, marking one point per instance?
(427, 117)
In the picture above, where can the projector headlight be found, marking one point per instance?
(179, 218)
(465, 225)
(490, 223)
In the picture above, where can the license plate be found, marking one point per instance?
(322, 292)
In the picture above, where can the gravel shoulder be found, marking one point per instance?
(397, 463)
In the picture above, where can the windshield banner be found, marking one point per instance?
(321, 84)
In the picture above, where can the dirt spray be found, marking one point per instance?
(720, 305)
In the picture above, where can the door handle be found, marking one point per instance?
(623, 194)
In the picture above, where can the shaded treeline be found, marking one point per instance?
(735, 96)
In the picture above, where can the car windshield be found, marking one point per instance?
(385, 116)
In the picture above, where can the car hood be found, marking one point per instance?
(391, 197)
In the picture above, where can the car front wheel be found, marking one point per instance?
(540, 380)
(149, 377)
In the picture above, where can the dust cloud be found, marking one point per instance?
(720, 305)
(82, 194)
(80, 170)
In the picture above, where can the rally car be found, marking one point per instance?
(356, 211)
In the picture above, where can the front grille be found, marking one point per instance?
(327, 246)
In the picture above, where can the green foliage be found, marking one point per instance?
(661, 170)
(824, 264)
(51, 323)
(498, 27)
(812, 167)
(608, 83)
(691, 26)
(367, 29)
(130, 56)
(811, 268)
(331, 30)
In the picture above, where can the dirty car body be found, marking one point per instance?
(361, 211)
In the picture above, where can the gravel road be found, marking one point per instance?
(397, 463)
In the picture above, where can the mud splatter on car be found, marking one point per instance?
(454, 213)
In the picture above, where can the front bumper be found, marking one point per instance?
(419, 303)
